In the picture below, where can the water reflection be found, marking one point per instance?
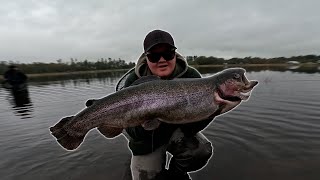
(274, 135)
(21, 103)
(292, 67)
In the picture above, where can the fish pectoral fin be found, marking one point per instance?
(109, 131)
(151, 124)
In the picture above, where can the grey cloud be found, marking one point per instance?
(49, 30)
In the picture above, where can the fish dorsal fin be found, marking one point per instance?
(145, 79)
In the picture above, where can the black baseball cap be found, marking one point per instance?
(157, 37)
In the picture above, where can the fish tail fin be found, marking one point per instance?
(67, 141)
(61, 123)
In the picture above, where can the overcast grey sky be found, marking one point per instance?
(47, 30)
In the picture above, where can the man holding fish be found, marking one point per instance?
(190, 150)
(163, 104)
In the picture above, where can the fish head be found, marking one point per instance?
(232, 88)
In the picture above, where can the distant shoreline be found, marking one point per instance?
(195, 66)
(256, 65)
(70, 73)
(74, 72)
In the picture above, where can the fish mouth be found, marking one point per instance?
(245, 93)
(228, 98)
(241, 94)
(231, 99)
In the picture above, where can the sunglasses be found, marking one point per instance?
(155, 57)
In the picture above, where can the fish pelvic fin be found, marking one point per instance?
(109, 132)
(151, 124)
(64, 139)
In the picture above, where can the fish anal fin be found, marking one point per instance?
(151, 124)
(109, 131)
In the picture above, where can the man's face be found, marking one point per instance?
(161, 60)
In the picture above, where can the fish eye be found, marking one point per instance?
(236, 76)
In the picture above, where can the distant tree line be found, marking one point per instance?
(71, 66)
(203, 60)
(109, 63)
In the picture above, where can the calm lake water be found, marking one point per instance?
(275, 135)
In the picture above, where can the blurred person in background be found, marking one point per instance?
(14, 79)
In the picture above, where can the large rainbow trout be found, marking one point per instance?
(151, 100)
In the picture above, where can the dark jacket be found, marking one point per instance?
(144, 141)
